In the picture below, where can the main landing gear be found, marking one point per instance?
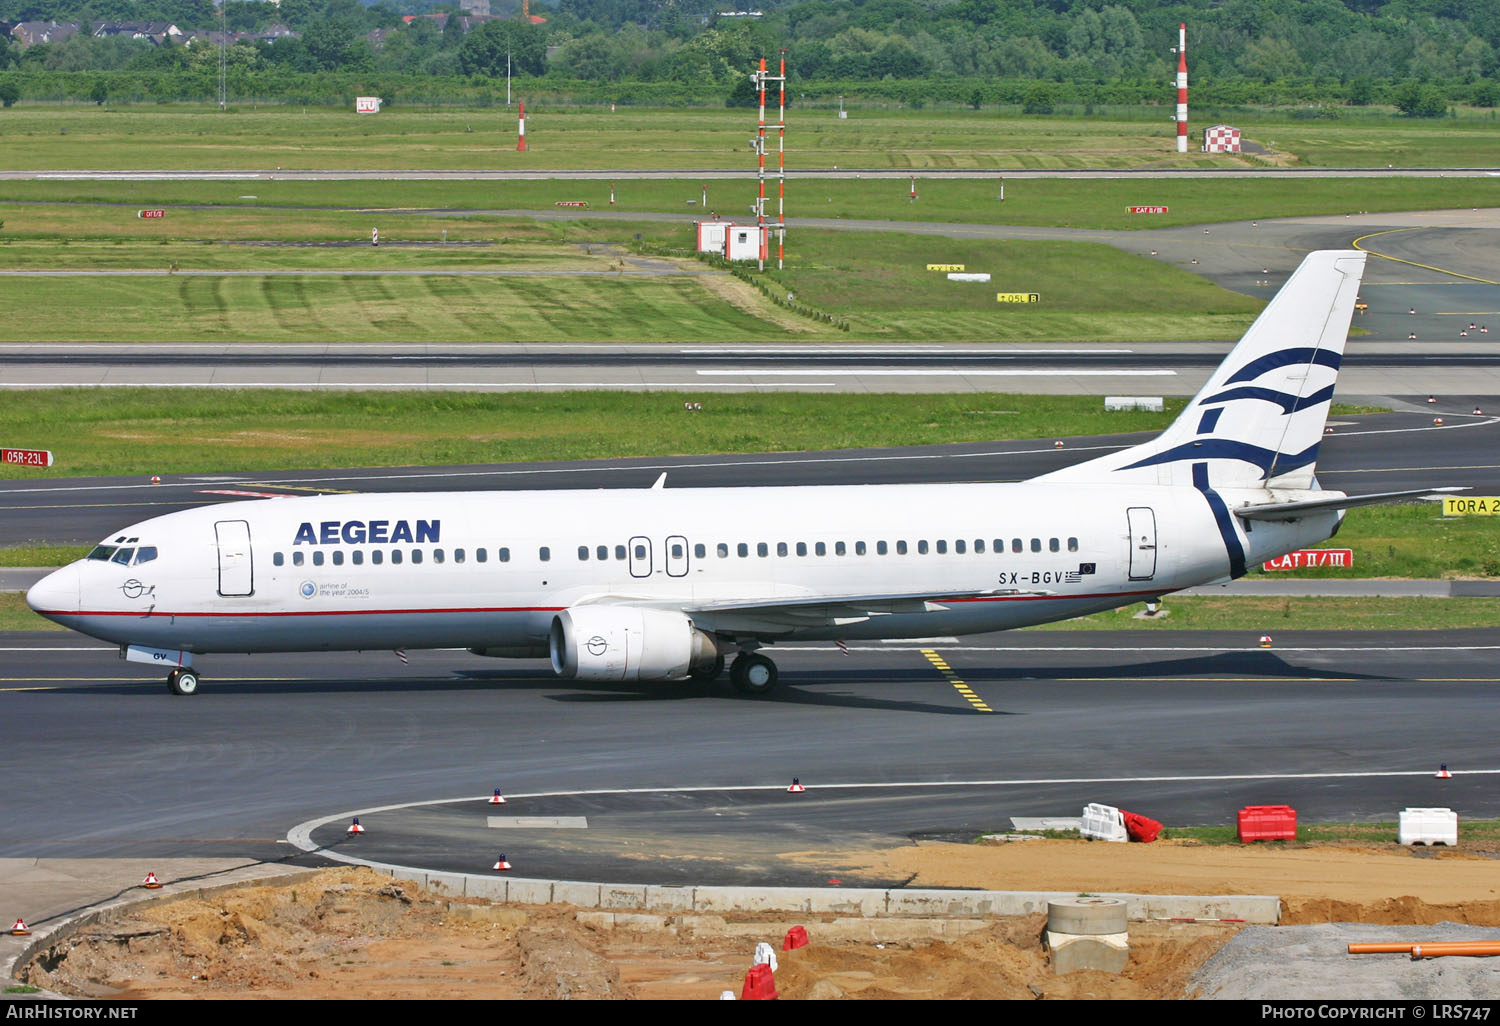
(753, 674)
(182, 682)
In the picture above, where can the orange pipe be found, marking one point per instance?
(1428, 948)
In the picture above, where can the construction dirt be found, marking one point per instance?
(355, 933)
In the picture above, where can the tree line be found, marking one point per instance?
(1420, 55)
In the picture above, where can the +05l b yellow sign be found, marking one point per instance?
(1471, 505)
(1018, 297)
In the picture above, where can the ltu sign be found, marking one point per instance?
(367, 105)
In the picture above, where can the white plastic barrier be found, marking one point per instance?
(1103, 823)
(1133, 402)
(1428, 826)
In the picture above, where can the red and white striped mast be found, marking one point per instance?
(1182, 87)
(760, 149)
(521, 138)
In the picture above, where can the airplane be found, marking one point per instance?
(648, 584)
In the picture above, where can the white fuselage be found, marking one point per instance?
(490, 570)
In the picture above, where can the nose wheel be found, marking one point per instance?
(182, 682)
(753, 674)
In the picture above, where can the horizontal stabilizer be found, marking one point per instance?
(1294, 510)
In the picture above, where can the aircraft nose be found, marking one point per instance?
(56, 593)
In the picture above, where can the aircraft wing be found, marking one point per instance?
(1293, 510)
(784, 614)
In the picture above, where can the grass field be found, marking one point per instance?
(156, 431)
(1065, 203)
(37, 137)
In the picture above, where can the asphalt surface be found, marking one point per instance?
(1184, 727)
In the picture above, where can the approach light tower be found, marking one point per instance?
(760, 79)
(1182, 87)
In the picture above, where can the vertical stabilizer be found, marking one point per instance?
(1258, 421)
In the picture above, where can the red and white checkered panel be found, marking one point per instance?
(1221, 139)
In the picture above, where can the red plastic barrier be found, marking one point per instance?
(1267, 823)
(760, 985)
(1140, 828)
(796, 937)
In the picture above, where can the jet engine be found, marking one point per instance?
(627, 643)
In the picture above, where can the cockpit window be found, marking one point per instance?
(145, 554)
(102, 552)
(123, 557)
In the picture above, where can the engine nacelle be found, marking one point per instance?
(626, 643)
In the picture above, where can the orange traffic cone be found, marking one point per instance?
(1442, 773)
(497, 798)
(355, 828)
(500, 864)
(796, 787)
(1265, 641)
(151, 883)
(20, 929)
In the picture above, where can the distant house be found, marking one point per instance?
(158, 32)
(28, 33)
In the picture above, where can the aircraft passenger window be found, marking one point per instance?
(123, 557)
(959, 547)
(723, 550)
(296, 559)
(338, 557)
(544, 554)
(458, 555)
(318, 558)
(762, 549)
(640, 552)
(942, 546)
(1036, 545)
(859, 548)
(1016, 545)
(742, 550)
(416, 555)
(1072, 544)
(979, 545)
(677, 550)
(377, 557)
(359, 557)
(922, 547)
(583, 553)
(838, 548)
(1053, 546)
(395, 556)
(999, 546)
(278, 559)
(880, 548)
(102, 552)
(481, 556)
(781, 549)
(620, 552)
(503, 555)
(802, 548)
(901, 548)
(820, 549)
(602, 552)
(437, 555)
(700, 550)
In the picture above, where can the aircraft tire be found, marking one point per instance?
(754, 674)
(182, 682)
